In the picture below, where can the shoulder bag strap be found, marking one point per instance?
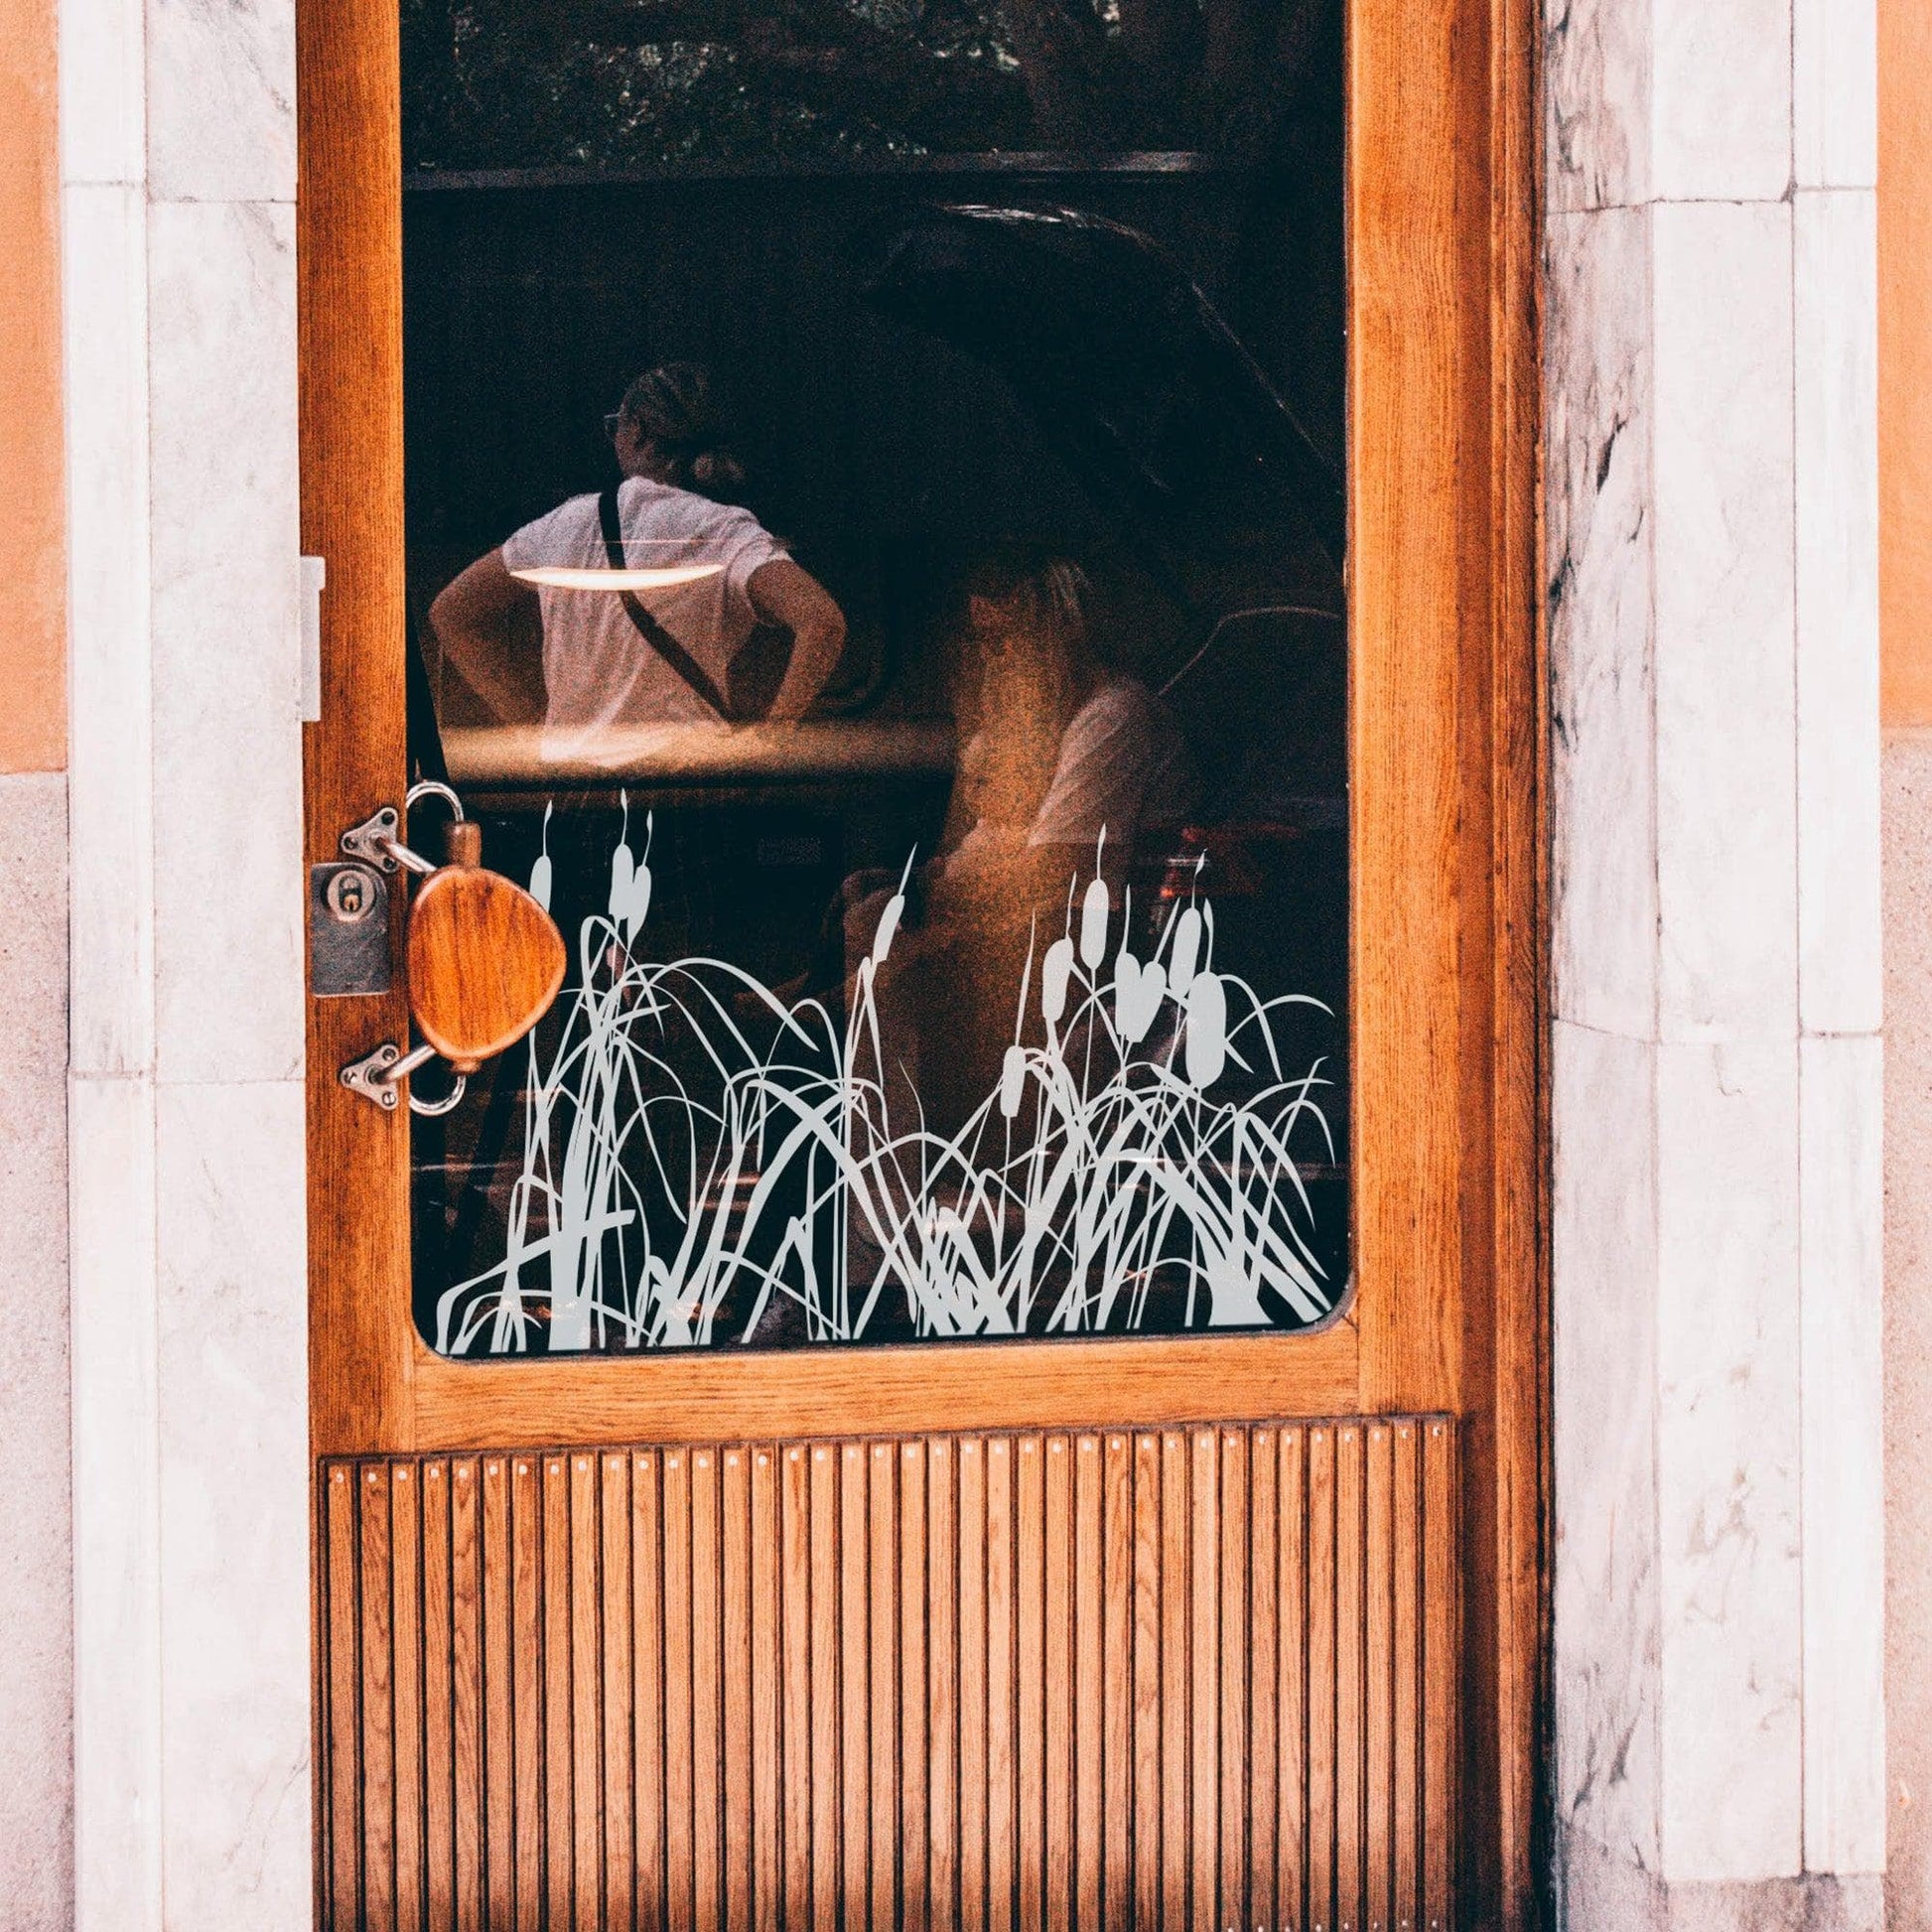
(653, 633)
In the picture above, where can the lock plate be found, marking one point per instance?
(348, 930)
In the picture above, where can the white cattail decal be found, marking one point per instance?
(697, 1154)
(1056, 972)
(1186, 952)
(1013, 1082)
(542, 873)
(1207, 1029)
(1093, 924)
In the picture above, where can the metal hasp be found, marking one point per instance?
(379, 1076)
(348, 930)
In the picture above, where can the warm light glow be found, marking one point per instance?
(557, 577)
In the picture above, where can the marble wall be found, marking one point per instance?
(1717, 1063)
(192, 1693)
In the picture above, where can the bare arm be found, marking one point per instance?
(491, 627)
(783, 594)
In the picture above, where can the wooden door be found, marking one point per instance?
(1215, 1629)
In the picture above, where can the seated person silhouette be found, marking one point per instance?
(1066, 765)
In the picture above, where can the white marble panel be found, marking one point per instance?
(1727, 1447)
(221, 100)
(109, 683)
(1836, 345)
(1727, 824)
(1604, 876)
(1596, 104)
(229, 889)
(1606, 1585)
(103, 86)
(36, 1559)
(1835, 92)
(234, 1553)
(1719, 99)
(116, 1508)
(1842, 1284)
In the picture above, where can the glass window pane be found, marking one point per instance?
(873, 543)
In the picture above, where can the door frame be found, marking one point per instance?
(1449, 881)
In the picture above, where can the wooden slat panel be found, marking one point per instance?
(559, 1825)
(942, 1678)
(913, 1693)
(405, 1596)
(1236, 1664)
(1378, 1666)
(1204, 1683)
(1089, 1700)
(735, 1555)
(1001, 1772)
(619, 1719)
(679, 1823)
(1293, 1811)
(526, 1686)
(1348, 1675)
(973, 1903)
(1409, 1575)
(1264, 1762)
(1319, 1679)
(439, 1703)
(468, 1773)
(1029, 1678)
(378, 1741)
(499, 1696)
(1200, 1678)
(855, 1791)
(1057, 1682)
(341, 1650)
(766, 1817)
(1174, 1706)
(586, 1698)
(707, 1693)
(1439, 1675)
(1115, 1857)
(795, 1733)
(823, 1770)
(648, 1677)
(1147, 1625)
(881, 1671)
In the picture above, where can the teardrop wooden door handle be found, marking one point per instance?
(484, 961)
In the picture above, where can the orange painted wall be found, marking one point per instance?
(1905, 358)
(33, 488)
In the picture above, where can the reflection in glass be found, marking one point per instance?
(919, 700)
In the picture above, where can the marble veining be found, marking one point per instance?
(1727, 1423)
(1608, 1644)
(1602, 698)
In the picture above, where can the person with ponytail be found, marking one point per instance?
(654, 655)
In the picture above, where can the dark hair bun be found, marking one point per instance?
(673, 408)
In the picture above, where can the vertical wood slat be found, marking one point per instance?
(559, 1826)
(468, 1769)
(528, 1715)
(406, 1688)
(942, 1680)
(1191, 1678)
(439, 1701)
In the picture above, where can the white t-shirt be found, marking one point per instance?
(597, 669)
(1123, 764)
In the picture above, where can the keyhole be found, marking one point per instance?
(349, 896)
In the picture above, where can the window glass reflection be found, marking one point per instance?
(892, 621)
